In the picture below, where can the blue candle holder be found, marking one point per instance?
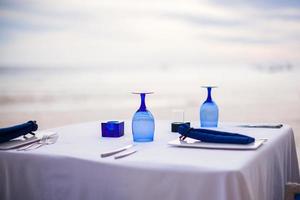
(209, 111)
(175, 126)
(112, 129)
(143, 122)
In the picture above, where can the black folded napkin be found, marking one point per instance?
(208, 135)
(9, 133)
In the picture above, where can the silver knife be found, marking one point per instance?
(261, 126)
(126, 154)
(24, 147)
(110, 153)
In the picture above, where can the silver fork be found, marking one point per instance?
(46, 139)
(49, 139)
(23, 148)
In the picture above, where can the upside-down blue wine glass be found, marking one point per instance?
(209, 112)
(143, 122)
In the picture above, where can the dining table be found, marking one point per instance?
(73, 169)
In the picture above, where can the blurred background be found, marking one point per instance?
(64, 61)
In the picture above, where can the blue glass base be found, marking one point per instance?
(209, 114)
(209, 124)
(143, 127)
(142, 139)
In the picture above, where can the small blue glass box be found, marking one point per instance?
(112, 129)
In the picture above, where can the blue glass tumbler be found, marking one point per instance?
(209, 112)
(143, 122)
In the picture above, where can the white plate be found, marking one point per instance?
(191, 143)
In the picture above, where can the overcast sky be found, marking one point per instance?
(94, 33)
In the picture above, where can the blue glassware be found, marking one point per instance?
(112, 129)
(209, 112)
(143, 122)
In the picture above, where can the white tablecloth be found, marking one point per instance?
(72, 168)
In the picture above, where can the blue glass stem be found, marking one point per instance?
(209, 95)
(143, 104)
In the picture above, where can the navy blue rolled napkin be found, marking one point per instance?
(208, 135)
(9, 133)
